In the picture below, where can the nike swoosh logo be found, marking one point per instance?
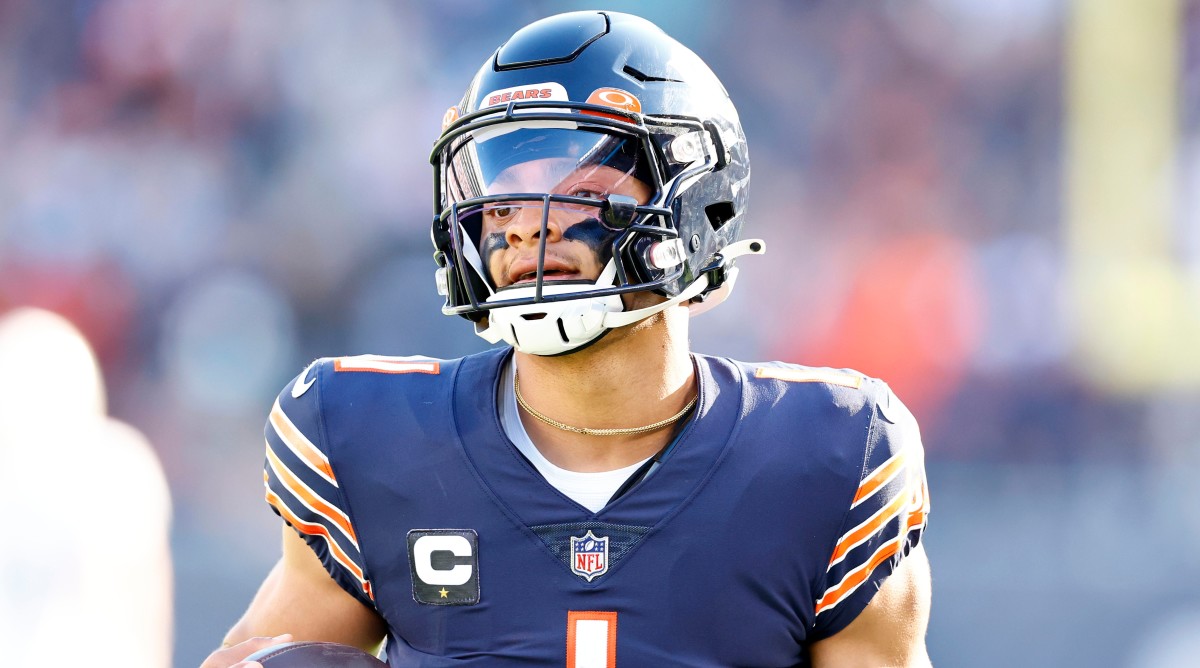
(301, 386)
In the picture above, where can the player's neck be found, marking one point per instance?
(633, 377)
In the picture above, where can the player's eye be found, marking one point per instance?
(500, 212)
(589, 192)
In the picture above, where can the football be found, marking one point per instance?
(314, 655)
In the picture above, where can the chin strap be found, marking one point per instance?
(554, 328)
(733, 250)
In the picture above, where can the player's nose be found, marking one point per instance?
(526, 226)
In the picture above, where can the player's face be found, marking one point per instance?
(577, 242)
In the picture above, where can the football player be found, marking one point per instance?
(593, 493)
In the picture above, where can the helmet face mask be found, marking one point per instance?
(594, 186)
(548, 209)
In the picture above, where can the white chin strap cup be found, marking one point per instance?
(549, 328)
(553, 328)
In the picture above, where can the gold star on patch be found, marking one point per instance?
(443, 592)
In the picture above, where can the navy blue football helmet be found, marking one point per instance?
(613, 98)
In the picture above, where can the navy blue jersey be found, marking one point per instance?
(786, 500)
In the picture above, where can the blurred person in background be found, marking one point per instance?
(591, 190)
(90, 507)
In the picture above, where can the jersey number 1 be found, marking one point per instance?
(591, 639)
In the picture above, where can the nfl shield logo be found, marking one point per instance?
(589, 555)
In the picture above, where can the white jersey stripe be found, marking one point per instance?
(870, 526)
(346, 561)
(869, 565)
(880, 477)
(307, 497)
(298, 443)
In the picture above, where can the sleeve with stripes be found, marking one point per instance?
(301, 486)
(884, 522)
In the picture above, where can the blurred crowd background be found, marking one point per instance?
(992, 204)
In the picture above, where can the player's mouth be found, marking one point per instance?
(526, 272)
(530, 277)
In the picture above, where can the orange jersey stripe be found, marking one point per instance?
(879, 477)
(319, 530)
(298, 443)
(314, 529)
(920, 507)
(309, 497)
(857, 576)
(861, 532)
(915, 520)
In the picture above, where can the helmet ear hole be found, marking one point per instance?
(719, 213)
(718, 144)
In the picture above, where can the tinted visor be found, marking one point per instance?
(531, 158)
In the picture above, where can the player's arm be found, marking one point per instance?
(873, 603)
(299, 598)
(890, 631)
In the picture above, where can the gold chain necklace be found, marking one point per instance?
(619, 431)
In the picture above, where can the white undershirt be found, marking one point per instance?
(590, 490)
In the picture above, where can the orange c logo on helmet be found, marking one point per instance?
(614, 98)
(449, 117)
